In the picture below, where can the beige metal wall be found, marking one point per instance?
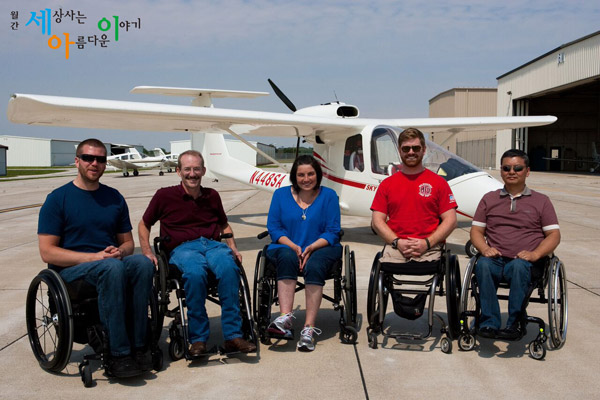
(467, 102)
(567, 66)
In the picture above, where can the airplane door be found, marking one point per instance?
(384, 157)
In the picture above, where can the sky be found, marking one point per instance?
(389, 58)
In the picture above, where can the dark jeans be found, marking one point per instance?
(489, 272)
(121, 285)
(315, 270)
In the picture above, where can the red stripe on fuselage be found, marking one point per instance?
(344, 181)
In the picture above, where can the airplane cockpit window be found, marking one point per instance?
(446, 164)
(384, 151)
(353, 154)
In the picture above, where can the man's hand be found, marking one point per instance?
(111, 252)
(151, 256)
(530, 256)
(414, 247)
(237, 255)
(491, 252)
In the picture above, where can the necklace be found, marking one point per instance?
(304, 213)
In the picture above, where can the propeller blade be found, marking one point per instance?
(282, 96)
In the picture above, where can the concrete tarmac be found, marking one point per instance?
(334, 370)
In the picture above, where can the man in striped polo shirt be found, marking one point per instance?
(513, 228)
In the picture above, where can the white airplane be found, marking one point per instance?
(595, 159)
(133, 160)
(339, 137)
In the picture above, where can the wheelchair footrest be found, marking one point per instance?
(405, 336)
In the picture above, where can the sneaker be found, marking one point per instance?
(281, 327)
(144, 359)
(122, 367)
(307, 341)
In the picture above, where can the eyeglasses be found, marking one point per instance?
(406, 149)
(89, 158)
(516, 168)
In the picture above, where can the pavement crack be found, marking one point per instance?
(14, 341)
(362, 376)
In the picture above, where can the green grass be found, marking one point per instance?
(12, 172)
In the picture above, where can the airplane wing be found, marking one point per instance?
(124, 115)
(121, 164)
(589, 161)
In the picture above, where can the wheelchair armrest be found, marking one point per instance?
(262, 235)
(158, 240)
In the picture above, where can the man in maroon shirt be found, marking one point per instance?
(193, 218)
(512, 228)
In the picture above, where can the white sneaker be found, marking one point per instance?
(281, 327)
(307, 341)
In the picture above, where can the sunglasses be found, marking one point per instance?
(406, 149)
(88, 158)
(516, 168)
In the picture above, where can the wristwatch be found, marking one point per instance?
(395, 243)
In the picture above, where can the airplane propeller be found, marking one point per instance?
(288, 103)
(282, 96)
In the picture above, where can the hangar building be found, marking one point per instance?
(564, 82)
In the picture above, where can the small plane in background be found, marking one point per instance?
(595, 159)
(133, 160)
(335, 131)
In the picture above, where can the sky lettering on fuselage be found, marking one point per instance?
(263, 178)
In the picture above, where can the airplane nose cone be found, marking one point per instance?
(469, 189)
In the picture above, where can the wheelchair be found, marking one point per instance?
(343, 274)
(58, 314)
(548, 279)
(169, 279)
(399, 280)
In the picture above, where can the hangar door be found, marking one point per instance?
(573, 135)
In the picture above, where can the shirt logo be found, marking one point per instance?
(452, 199)
(425, 189)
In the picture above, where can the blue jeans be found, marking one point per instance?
(122, 285)
(489, 273)
(194, 259)
(316, 268)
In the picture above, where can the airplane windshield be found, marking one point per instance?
(446, 164)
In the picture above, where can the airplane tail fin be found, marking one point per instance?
(217, 159)
(220, 164)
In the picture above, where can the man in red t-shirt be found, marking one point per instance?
(414, 210)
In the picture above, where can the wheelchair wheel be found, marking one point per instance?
(160, 284)
(453, 289)
(350, 288)
(376, 303)
(86, 374)
(466, 342)
(155, 318)
(469, 297)
(49, 320)
(446, 345)
(176, 345)
(557, 303)
(248, 327)
(537, 350)
(264, 287)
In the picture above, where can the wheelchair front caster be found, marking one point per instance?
(466, 342)
(348, 335)
(157, 360)
(372, 340)
(537, 350)
(176, 349)
(86, 375)
(446, 345)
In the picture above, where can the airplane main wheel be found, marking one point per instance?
(136, 172)
(161, 173)
(125, 174)
(470, 249)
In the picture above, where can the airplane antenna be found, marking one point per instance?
(335, 95)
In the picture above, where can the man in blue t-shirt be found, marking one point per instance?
(84, 232)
